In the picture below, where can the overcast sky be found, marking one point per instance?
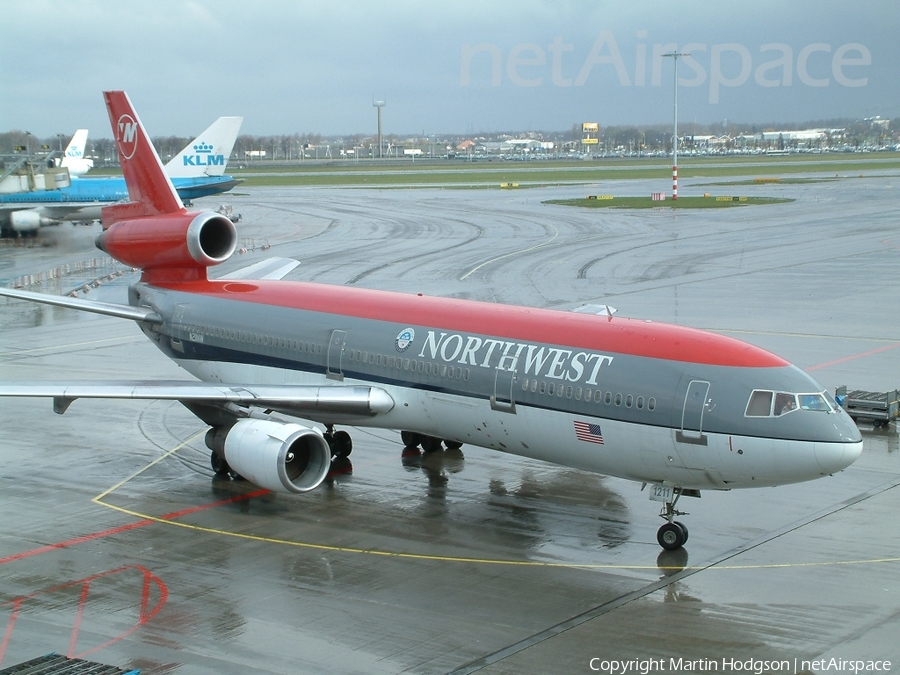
(443, 67)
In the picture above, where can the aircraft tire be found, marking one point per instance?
(410, 439)
(671, 536)
(431, 444)
(683, 529)
(219, 465)
(341, 444)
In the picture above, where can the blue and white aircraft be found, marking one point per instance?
(74, 159)
(197, 171)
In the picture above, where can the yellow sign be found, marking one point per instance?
(590, 128)
(589, 141)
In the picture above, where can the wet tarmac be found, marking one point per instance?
(119, 545)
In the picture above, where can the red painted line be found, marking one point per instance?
(222, 502)
(124, 528)
(79, 615)
(75, 541)
(144, 615)
(854, 357)
(10, 624)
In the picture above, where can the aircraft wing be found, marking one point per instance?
(50, 212)
(107, 308)
(304, 401)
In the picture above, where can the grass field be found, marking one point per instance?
(711, 202)
(491, 174)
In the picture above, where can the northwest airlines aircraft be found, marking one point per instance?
(680, 410)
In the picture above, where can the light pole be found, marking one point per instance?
(674, 56)
(379, 105)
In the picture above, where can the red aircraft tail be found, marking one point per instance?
(154, 231)
(149, 188)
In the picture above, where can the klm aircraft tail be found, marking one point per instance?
(207, 154)
(74, 159)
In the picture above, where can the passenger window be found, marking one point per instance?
(651, 403)
(640, 402)
(760, 404)
(618, 399)
(629, 400)
(551, 388)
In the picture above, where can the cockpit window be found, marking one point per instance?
(760, 404)
(764, 403)
(784, 403)
(814, 402)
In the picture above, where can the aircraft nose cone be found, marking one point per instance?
(834, 457)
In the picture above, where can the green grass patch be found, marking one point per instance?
(490, 174)
(711, 202)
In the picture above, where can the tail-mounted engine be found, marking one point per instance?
(278, 457)
(178, 240)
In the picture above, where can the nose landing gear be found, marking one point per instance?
(673, 534)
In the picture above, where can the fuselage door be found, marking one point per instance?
(695, 404)
(177, 328)
(333, 369)
(502, 398)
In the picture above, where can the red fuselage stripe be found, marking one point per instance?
(583, 331)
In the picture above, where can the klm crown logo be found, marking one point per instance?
(203, 156)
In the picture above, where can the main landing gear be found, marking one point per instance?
(673, 534)
(412, 440)
(339, 441)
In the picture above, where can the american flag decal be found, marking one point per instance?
(590, 433)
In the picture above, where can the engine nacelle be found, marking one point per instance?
(278, 457)
(176, 240)
(28, 221)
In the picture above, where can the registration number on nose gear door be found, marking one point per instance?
(661, 493)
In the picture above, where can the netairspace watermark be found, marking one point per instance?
(720, 65)
(732, 665)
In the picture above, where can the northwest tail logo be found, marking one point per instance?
(127, 135)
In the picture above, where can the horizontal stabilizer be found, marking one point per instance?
(270, 268)
(601, 310)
